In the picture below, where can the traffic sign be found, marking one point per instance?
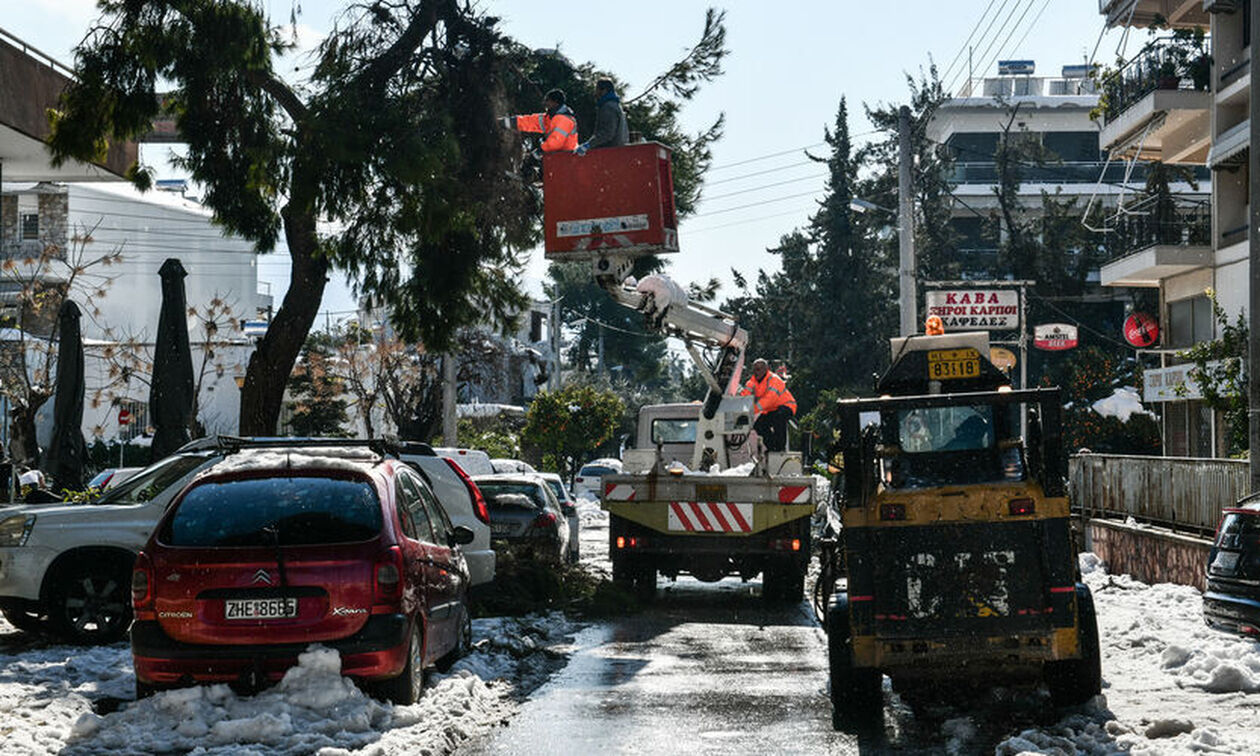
(1141, 330)
(124, 416)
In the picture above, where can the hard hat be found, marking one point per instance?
(934, 326)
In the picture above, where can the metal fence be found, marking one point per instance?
(1171, 221)
(1179, 492)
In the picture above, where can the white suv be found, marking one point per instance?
(69, 565)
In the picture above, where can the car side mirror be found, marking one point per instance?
(461, 535)
(568, 509)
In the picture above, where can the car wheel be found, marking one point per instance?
(25, 620)
(1075, 681)
(90, 604)
(406, 688)
(144, 690)
(645, 584)
(463, 643)
(857, 696)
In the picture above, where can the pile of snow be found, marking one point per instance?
(1171, 684)
(47, 701)
(1123, 403)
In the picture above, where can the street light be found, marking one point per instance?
(859, 205)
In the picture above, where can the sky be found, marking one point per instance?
(790, 63)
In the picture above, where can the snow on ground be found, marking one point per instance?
(1171, 684)
(594, 536)
(50, 696)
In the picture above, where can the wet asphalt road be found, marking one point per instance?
(708, 668)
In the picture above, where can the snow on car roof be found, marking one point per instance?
(308, 458)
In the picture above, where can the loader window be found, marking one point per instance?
(951, 446)
(673, 431)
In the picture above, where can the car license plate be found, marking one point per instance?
(1225, 562)
(500, 529)
(269, 608)
(948, 364)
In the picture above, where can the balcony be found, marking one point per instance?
(1153, 240)
(1089, 172)
(1144, 13)
(1158, 105)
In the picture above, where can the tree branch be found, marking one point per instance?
(280, 91)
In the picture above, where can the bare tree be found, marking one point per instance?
(32, 289)
(129, 359)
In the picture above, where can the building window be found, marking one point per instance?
(30, 226)
(1073, 146)
(974, 147)
(1190, 322)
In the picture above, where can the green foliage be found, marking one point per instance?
(1219, 372)
(498, 442)
(568, 424)
(318, 404)
(1089, 374)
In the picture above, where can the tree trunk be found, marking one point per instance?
(23, 447)
(277, 352)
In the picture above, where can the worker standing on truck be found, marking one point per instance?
(773, 403)
(557, 124)
(611, 129)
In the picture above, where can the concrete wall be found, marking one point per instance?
(1152, 555)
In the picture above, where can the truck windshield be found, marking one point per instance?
(673, 431)
(950, 446)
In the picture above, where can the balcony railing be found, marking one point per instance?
(1089, 172)
(1167, 221)
(1168, 63)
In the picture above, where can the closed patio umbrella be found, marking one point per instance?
(171, 392)
(67, 451)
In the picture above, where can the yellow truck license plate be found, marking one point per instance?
(948, 364)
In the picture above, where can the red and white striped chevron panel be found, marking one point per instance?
(710, 516)
(793, 494)
(618, 492)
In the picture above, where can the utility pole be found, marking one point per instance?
(601, 348)
(448, 400)
(905, 227)
(1253, 295)
(553, 380)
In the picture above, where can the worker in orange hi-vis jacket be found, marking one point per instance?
(773, 403)
(557, 124)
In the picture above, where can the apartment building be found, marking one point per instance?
(1181, 96)
(1056, 111)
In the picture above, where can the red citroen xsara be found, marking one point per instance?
(273, 550)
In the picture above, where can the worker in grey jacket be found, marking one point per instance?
(611, 129)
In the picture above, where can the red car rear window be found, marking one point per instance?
(290, 511)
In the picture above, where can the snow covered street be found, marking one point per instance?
(56, 698)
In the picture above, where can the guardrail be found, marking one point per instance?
(1184, 493)
(33, 52)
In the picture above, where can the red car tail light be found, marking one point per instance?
(387, 578)
(480, 511)
(545, 520)
(142, 587)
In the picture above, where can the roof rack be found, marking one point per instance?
(383, 446)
